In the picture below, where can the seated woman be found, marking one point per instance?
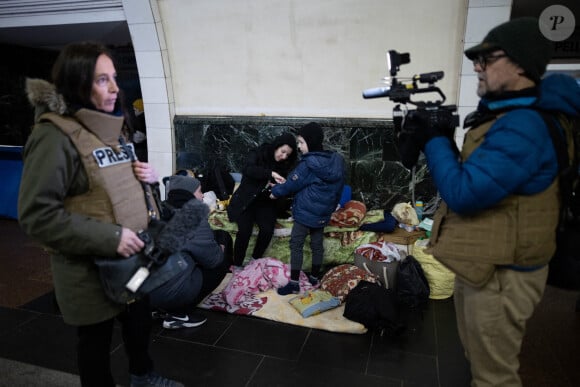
(207, 252)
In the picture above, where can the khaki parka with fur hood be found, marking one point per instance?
(53, 177)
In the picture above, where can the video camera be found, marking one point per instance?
(427, 113)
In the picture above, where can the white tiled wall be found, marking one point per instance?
(482, 15)
(148, 39)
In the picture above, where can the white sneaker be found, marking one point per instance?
(174, 321)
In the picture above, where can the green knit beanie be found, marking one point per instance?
(523, 43)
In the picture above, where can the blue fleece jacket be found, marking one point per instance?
(517, 155)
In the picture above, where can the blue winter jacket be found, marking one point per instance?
(317, 184)
(517, 155)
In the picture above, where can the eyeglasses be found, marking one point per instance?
(484, 60)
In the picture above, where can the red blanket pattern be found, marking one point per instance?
(351, 215)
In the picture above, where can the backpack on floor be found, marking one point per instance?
(375, 307)
(564, 270)
(412, 286)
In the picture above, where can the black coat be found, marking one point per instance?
(256, 174)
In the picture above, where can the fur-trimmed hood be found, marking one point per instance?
(44, 97)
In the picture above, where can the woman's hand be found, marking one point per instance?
(145, 172)
(129, 244)
(278, 178)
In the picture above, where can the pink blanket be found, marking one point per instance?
(258, 276)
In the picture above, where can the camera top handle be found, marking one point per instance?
(401, 92)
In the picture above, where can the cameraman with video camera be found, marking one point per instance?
(495, 228)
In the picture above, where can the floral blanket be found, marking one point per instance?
(258, 276)
(339, 242)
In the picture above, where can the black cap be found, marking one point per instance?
(522, 41)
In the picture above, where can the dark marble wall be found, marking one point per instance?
(373, 169)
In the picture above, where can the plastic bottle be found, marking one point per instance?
(419, 209)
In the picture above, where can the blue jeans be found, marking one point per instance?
(297, 240)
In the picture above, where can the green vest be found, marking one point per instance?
(519, 230)
(115, 195)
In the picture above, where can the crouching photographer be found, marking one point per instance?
(208, 255)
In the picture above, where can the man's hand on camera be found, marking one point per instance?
(424, 134)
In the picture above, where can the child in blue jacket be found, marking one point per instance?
(317, 184)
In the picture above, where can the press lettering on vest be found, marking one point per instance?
(106, 157)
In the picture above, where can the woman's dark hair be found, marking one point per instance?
(73, 72)
(265, 153)
(290, 140)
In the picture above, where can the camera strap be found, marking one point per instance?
(149, 196)
(477, 118)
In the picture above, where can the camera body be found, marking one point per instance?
(427, 113)
(444, 118)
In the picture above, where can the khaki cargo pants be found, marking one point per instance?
(492, 321)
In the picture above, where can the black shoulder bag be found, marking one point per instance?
(125, 280)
